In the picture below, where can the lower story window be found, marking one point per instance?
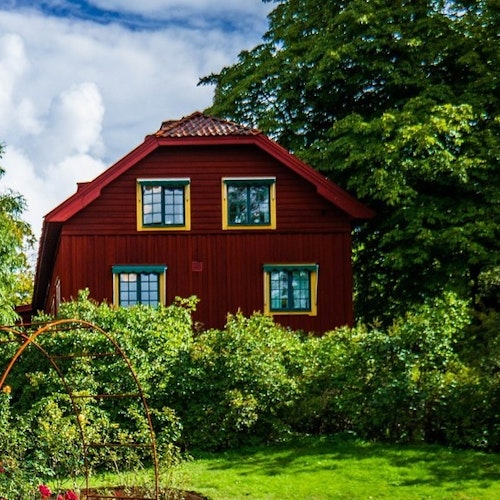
(290, 289)
(134, 285)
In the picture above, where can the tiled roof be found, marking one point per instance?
(200, 125)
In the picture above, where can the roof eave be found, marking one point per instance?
(49, 242)
(324, 187)
(90, 191)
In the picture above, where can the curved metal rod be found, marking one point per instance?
(12, 361)
(27, 340)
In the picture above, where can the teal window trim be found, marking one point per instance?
(138, 284)
(265, 181)
(164, 182)
(292, 267)
(139, 269)
(289, 290)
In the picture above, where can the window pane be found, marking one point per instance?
(259, 204)
(151, 205)
(149, 289)
(279, 290)
(249, 204)
(300, 283)
(174, 206)
(143, 288)
(128, 289)
(237, 204)
(163, 205)
(290, 290)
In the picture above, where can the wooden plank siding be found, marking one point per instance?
(299, 207)
(309, 229)
(231, 277)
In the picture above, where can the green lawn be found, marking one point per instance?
(328, 467)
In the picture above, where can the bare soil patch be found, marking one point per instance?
(137, 493)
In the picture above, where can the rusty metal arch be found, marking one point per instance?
(27, 335)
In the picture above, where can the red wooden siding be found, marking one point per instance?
(309, 229)
(299, 206)
(231, 277)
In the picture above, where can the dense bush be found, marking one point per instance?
(382, 384)
(18, 477)
(417, 381)
(432, 376)
(37, 397)
(237, 385)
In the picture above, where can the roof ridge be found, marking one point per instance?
(199, 124)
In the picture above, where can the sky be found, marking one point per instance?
(82, 82)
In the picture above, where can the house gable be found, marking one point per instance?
(199, 130)
(195, 148)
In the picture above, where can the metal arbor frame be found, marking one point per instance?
(27, 335)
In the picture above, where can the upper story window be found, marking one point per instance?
(290, 289)
(249, 203)
(163, 204)
(134, 285)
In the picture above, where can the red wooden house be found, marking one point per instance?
(209, 208)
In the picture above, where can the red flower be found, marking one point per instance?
(44, 491)
(70, 495)
(60, 497)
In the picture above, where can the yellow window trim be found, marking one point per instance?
(314, 292)
(161, 284)
(187, 206)
(252, 227)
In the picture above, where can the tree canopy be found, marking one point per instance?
(398, 102)
(15, 238)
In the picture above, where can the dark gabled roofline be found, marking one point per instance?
(47, 249)
(324, 187)
(90, 191)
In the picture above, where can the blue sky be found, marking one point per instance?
(83, 10)
(149, 15)
(84, 81)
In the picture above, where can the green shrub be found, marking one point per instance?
(150, 338)
(432, 376)
(235, 385)
(55, 442)
(381, 385)
(354, 380)
(466, 411)
(18, 477)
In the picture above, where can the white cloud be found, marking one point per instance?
(13, 64)
(75, 96)
(78, 167)
(73, 125)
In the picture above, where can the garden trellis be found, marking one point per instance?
(43, 338)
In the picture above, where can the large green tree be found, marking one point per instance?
(398, 102)
(15, 238)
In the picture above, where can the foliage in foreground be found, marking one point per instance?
(15, 238)
(42, 440)
(433, 376)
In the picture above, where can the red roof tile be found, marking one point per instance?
(200, 125)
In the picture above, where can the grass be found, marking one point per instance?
(336, 468)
